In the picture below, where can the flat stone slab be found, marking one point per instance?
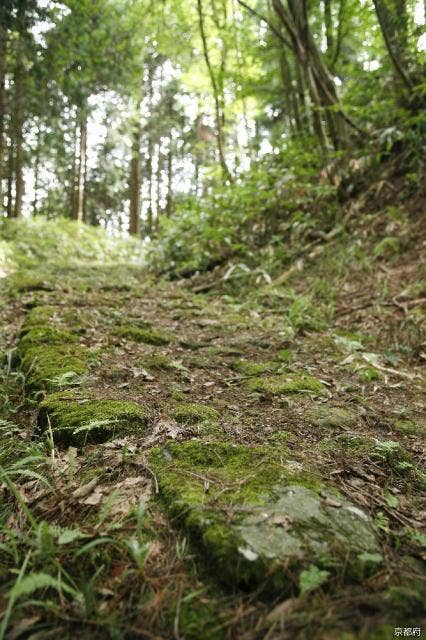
(78, 420)
(259, 523)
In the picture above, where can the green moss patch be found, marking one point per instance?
(193, 413)
(409, 427)
(79, 421)
(159, 361)
(48, 354)
(331, 417)
(256, 522)
(283, 384)
(144, 335)
(249, 368)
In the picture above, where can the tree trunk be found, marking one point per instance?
(169, 204)
(36, 172)
(393, 25)
(216, 95)
(79, 195)
(320, 82)
(158, 184)
(328, 23)
(18, 134)
(3, 48)
(149, 221)
(10, 176)
(135, 178)
(74, 176)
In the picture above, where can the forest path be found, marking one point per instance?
(215, 475)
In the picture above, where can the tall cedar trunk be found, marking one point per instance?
(149, 220)
(158, 184)
(36, 172)
(74, 173)
(135, 177)
(10, 176)
(169, 204)
(78, 205)
(3, 48)
(84, 205)
(18, 133)
(216, 95)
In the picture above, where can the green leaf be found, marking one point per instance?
(67, 536)
(312, 578)
(35, 581)
(391, 500)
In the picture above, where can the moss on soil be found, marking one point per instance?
(159, 361)
(78, 421)
(193, 413)
(143, 335)
(324, 416)
(47, 352)
(283, 384)
(249, 368)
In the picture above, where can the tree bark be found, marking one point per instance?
(393, 35)
(3, 49)
(79, 195)
(18, 134)
(10, 176)
(169, 204)
(36, 172)
(135, 178)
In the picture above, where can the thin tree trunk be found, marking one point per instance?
(216, 95)
(82, 162)
(169, 204)
(328, 23)
(74, 176)
(36, 172)
(3, 48)
(150, 225)
(135, 177)
(18, 134)
(84, 205)
(158, 184)
(10, 176)
(78, 204)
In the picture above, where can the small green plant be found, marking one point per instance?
(312, 578)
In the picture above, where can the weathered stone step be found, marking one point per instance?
(77, 419)
(258, 519)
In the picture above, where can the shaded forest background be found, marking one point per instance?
(123, 114)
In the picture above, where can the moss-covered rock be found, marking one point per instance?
(159, 361)
(331, 417)
(141, 334)
(45, 365)
(257, 522)
(46, 334)
(38, 316)
(47, 353)
(78, 421)
(409, 427)
(193, 413)
(199, 620)
(248, 368)
(283, 384)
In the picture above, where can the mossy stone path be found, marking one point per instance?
(272, 475)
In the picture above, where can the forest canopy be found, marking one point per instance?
(122, 113)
